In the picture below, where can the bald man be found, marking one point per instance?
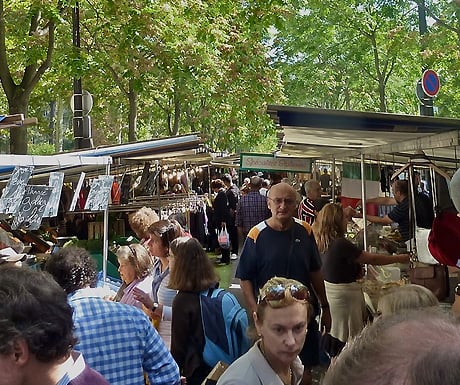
(284, 246)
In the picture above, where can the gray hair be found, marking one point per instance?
(410, 348)
(402, 298)
(310, 185)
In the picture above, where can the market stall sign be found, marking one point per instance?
(99, 193)
(14, 190)
(56, 180)
(32, 207)
(268, 162)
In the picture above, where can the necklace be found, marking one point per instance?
(285, 379)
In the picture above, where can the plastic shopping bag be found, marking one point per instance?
(223, 238)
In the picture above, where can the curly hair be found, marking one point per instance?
(141, 220)
(217, 183)
(34, 308)
(73, 268)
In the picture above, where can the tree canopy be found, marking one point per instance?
(163, 68)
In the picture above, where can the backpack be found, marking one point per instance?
(224, 326)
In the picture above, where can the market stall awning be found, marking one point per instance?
(137, 152)
(325, 133)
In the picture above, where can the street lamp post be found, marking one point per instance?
(81, 129)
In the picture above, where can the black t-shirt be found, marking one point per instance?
(339, 262)
(400, 214)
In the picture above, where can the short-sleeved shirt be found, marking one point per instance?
(307, 211)
(292, 254)
(120, 342)
(267, 253)
(400, 214)
(339, 262)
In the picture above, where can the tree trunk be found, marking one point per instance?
(383, 102)
(58, 130)
(18, 135)
(132, 114)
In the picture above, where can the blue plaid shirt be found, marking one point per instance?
(119, 342)
(251, 210)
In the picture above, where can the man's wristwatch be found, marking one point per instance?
(155, 306)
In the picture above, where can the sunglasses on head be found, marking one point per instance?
(133, 251)
(278, 292)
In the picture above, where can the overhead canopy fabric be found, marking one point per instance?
(325, 133)
(138, 152)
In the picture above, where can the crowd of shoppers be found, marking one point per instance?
(296, 268)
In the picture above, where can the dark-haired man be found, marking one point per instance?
(399, 214)
(36, 333)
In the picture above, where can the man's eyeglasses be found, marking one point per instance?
(278, 292)
(286, 201)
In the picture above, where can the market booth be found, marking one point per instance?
(89, 197)
(369, 143)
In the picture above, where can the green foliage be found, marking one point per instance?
(170, 67)
(347, 55)
(41, 149)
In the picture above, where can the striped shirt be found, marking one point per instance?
(307, 211)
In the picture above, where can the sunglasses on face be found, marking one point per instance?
(278, 292)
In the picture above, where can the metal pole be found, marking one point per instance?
(333, 180)
(426, 107)
(363, 199)
(77, 87)
(159, 172)
(105, 244)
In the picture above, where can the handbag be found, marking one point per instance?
(433, 277)
(223, 238)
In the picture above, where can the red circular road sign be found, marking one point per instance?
(430, 83)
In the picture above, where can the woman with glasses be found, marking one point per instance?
(191, 273)
(158, 298)
(342, 267)
(135, 267)
(281, 320)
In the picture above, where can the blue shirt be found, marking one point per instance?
(400, 214)
(119, 341)
(251, 210)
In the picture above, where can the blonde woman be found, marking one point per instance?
(401, 298)
(141, 220)
(281, 321)
(342, 267)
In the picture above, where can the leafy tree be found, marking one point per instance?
(342, 54)
(27, 38)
